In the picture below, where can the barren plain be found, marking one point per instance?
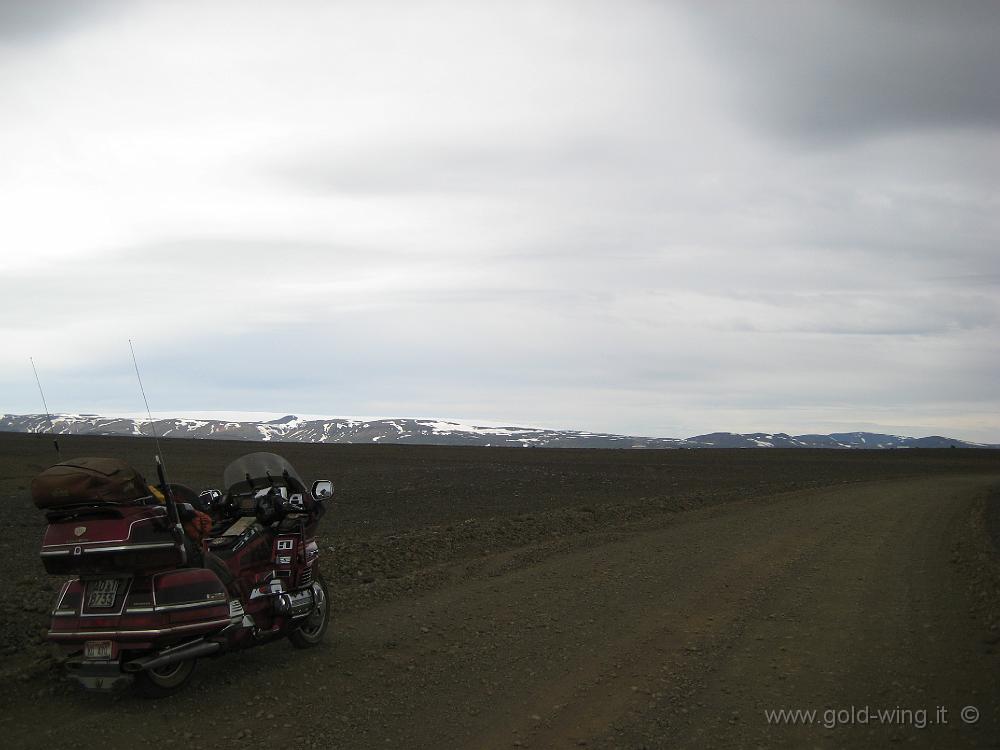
(498, 598)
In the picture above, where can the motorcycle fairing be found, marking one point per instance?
(258, 470)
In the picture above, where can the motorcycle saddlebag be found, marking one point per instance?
(81, 481)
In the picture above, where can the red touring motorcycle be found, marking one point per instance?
(145, 602)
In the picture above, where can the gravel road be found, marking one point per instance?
(681, 629)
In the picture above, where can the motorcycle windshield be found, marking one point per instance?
(259, 470)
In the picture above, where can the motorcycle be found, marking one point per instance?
(145, 601)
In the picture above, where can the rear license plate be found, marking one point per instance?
(97, 650)
(102, 593)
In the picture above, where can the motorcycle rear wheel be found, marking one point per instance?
(310, 633)
(159, 683)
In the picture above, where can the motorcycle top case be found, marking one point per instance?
(86, 481)
(110, 540)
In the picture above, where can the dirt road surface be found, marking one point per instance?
(682, 630)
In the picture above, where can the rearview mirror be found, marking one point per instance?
(322, 489)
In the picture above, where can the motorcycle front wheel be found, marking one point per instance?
(167, 680)
(310, 633)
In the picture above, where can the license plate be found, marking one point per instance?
(97, 650)
(102, 593)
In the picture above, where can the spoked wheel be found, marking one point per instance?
(310, 633)
(167, 680)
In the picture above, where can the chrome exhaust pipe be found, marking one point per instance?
(179, 653)
(295, 604)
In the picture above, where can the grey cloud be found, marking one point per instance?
(452, 167)
(192, 281)
(847, 70)
(880, 314)
(31, 21)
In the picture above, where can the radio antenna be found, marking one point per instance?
(48, 416)
(161, 470)
(152, 424)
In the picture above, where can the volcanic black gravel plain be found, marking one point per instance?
(518, 597)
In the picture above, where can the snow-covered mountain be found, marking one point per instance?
(440, 432)
(331, 430)
(835, 440)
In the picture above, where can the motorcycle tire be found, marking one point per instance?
(159, 683)
(310, 633)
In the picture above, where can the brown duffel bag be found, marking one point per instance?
(88, 480)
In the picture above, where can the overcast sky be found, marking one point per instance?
(643, 217)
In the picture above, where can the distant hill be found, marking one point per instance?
(835, 440)
(440, 432)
